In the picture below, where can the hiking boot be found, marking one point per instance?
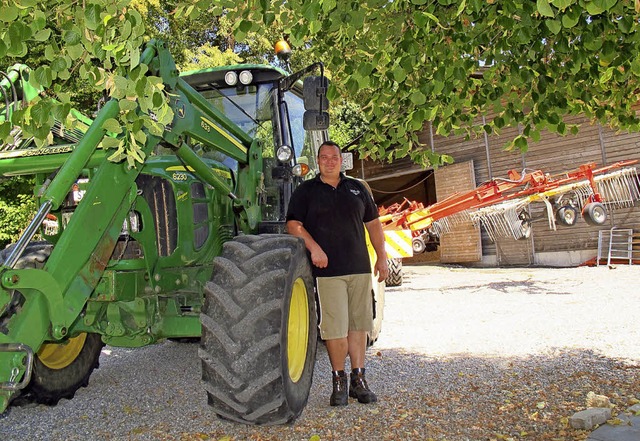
(340, 395)
(359, 388)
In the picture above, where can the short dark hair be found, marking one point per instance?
(330, 143)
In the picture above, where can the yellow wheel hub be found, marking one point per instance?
(61, 355)
(298, 330)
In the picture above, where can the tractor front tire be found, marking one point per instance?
(59, 368)
(259, 330)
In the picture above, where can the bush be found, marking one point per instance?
(17, 206)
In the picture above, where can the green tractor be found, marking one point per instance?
(189, 244)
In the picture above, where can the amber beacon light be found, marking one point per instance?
(283, 50)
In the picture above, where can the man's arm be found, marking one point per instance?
(318, 256)
(376, 236)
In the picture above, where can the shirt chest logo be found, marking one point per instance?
(355, 191)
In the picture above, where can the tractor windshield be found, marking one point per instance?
(253, 108)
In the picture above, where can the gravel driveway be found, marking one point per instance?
(465, 354)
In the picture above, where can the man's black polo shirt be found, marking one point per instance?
(334, 217)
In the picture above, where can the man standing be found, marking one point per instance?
(331, 212)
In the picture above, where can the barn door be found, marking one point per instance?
(463, 243)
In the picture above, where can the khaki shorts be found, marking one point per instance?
(345, 304)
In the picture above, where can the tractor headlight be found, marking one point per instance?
(284, 153)
(300, 169)
(246, 77)
(231, 78)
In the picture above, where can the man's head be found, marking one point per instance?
(329, 159)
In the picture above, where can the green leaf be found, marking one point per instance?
(126, 105)
(461, 7)
(635, 66)
(606, 76)
(418, 98)
(41, 112)
(593, 44)
(269, 18)
(544, 9)
(554, 26)
(109, 142)
(5, 129)
(158, 99)
(328, 5)
(43, 76)
(42, 35)
(569, 21)
(75, 51)
(562, 4)
(520, 142)
(112, 125)
(399, 74)
(134, 57)
(245, 26)
(154, 127)
(72, 37)
(626, 25)
(18, 34)
(60, 111)
(8, 14)
(92, 16)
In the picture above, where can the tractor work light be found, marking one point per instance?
(246, 77)
(231, 78)
(284, 153)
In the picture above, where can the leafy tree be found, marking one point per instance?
(208, 56)
(405, 61)
(348, 123)
(449, 62)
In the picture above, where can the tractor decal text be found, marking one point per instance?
(208, 125)
(37, 152)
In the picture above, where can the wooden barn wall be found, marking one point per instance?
(620, 147)
(463, 242)
(553, 154)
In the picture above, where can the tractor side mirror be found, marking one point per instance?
(314, 90)
(316, 104)
(315, 120)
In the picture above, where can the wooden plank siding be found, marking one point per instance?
(463, 243)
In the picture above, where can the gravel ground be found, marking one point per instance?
(465, 354)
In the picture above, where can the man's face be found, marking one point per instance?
(329, 160)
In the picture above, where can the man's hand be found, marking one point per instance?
(381, 270)
(319, 258)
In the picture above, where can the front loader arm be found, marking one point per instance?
(55, 296)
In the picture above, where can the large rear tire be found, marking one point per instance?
(59, 369)
(259, 330)
(395, 272)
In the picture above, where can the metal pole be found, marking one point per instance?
(28, 234)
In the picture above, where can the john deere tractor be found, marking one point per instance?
(188, 243)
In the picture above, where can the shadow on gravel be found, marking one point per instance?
(513, 286)
(154, 394)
